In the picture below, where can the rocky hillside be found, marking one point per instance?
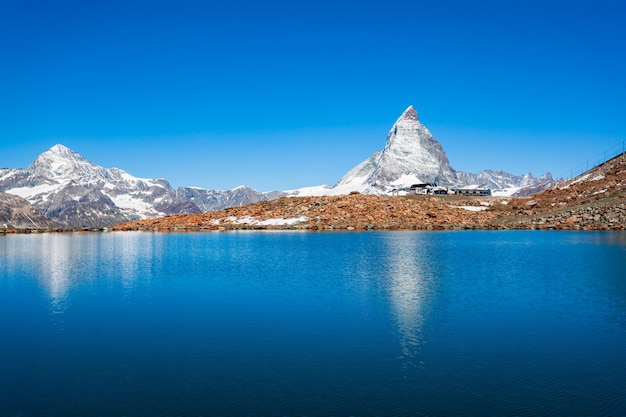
(344, 212)
(595, 200)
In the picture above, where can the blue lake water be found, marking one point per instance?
(277, 323)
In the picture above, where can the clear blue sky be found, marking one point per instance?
(279, 95)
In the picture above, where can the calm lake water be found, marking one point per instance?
(262, 323)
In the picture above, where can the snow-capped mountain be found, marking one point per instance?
(66, 187)
(74, 192)
(505, 184)
(412, 155)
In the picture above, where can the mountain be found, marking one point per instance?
(66, 187)
(211, 200)
(412, 155)
(505, 184)
(18, 213)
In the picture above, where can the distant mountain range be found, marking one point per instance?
(66, 189)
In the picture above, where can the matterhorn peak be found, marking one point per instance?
(409, 114)
(411, 155)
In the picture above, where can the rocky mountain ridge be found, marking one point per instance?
(211, 200)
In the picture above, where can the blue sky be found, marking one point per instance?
(280, 95)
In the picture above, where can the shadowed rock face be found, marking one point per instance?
(16, 212)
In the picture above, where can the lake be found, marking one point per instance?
(294, 323)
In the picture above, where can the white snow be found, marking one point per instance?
(473, 208)
(355, 184)
(142, 208)
(582, 178)
(8, 175)
(281, 222)
(599, 192)
(269, 222)
(505, 192)
(314, 191)
(406, 180)
(127, 177)
(135, 180)
(597, 178)
(31, 192)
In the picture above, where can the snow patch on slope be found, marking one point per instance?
(29, 193)
(268, 222)
(136, 206)
(473, 208)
